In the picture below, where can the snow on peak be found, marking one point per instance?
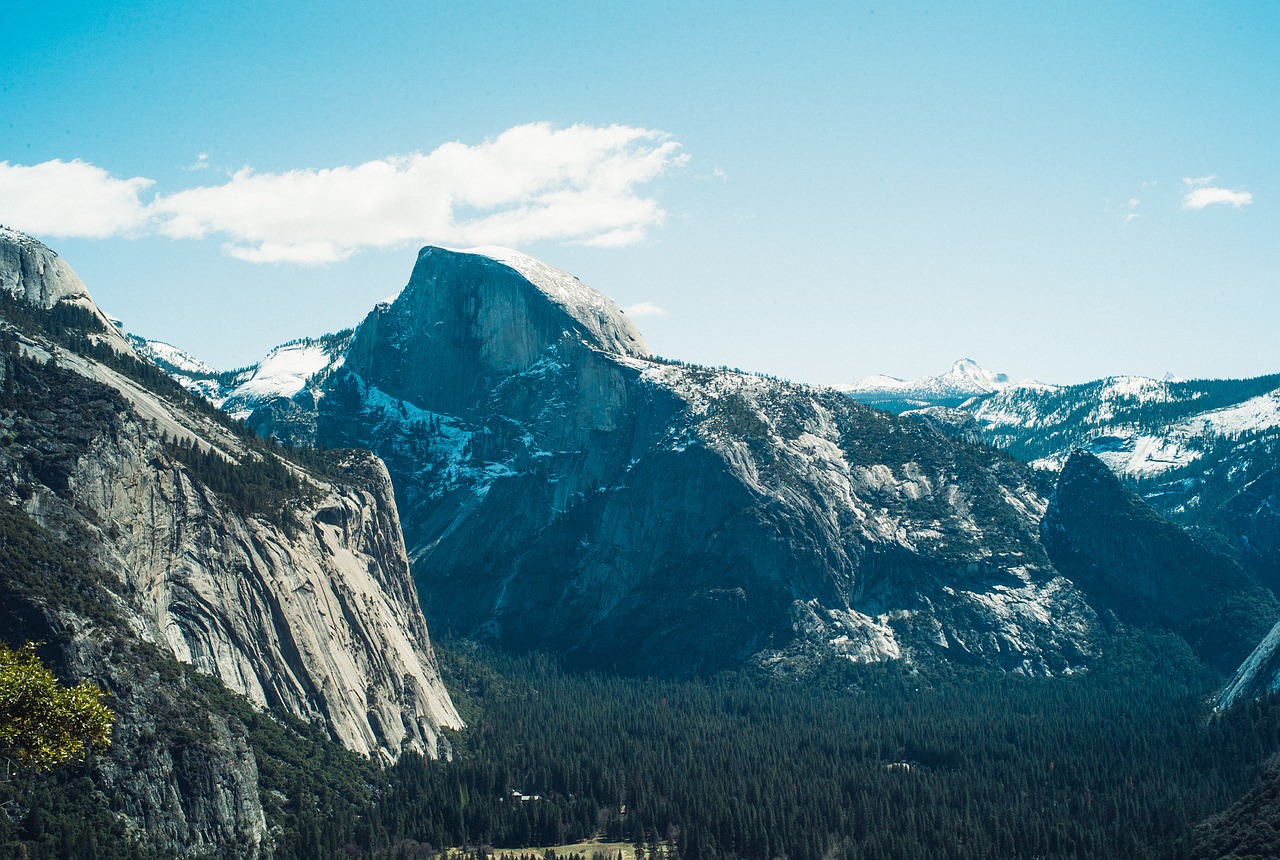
(166, 353)
(595, 311)
(968, 372)
(284, 371)
(965, 379)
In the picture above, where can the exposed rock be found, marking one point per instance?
(31, 271)
(295, 592)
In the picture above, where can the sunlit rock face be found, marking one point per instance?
(305, 605)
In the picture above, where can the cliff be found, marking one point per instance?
(286, 581)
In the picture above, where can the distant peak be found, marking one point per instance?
(965, 379)
(968, 369)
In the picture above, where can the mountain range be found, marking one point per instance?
(495, 454)
(564, 489)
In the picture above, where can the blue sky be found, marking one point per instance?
(819, 191)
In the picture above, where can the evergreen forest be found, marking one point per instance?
(852, 762)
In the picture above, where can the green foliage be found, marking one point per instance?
(318, 797)
(42, 723)
(1250, 828)
(257, 485)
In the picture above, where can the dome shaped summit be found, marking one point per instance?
(597, 313)
(469, 318)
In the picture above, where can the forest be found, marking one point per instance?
(853, 762)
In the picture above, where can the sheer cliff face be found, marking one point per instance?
(560, 490)
(304, 603)
(318, 618)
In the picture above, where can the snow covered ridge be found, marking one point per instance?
(964, 380)
(282, 373)
(1181, 444)
(171, 358)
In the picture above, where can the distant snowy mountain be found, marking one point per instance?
(170, 358)
(282, 372)
(1192, 449)
(1144, 429)
(965, 380)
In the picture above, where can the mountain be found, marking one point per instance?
(965, 380)
(563, 490)
(1138, 567)
(281, 374)
(145, 532)
(1191, 449)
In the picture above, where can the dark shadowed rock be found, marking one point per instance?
(1147, 571)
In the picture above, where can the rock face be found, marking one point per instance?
(288, 582)
(33, 273)
(1147, 571)
(561, 490)
(1257, 676)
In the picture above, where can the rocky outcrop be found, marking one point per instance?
(316, 616)
(35, 274)
(1257, 676)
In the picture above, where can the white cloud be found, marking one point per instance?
(1131, 216)
(580, 184)
(1198, 181)
(201, 162)
(644, 309)
(70, 198)
(1207, 196)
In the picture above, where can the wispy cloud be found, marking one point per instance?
(644, 309)
(1200, 193)
(1207, 196)
(581, 184)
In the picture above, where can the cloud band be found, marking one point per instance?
(581, 184)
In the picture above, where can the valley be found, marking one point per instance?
(727, 614)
